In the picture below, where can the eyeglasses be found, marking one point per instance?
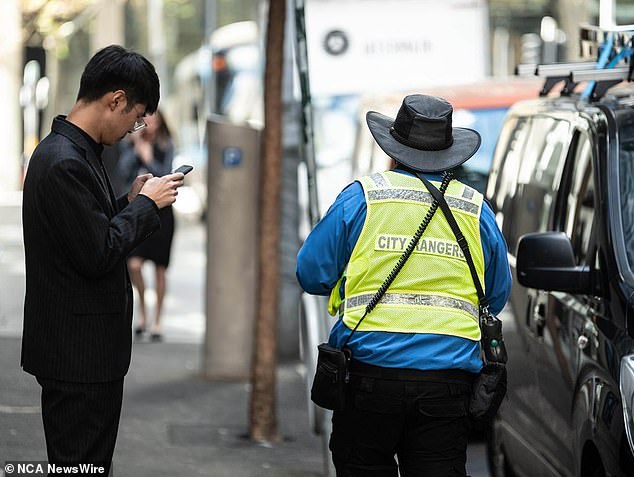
(138, 125)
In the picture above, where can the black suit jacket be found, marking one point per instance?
(78, 304)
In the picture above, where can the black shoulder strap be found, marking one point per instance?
(406, 254)
(459, 236)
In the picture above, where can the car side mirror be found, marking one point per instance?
(546, 261)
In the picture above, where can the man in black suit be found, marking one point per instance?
(78, 307)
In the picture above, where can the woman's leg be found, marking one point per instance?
(135, 268)
(161, 278)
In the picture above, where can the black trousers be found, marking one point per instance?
(81, 421)
(419, 417)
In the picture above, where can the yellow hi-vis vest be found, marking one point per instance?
(434, 291)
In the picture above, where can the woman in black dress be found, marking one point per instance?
(151, 150)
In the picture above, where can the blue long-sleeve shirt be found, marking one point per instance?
(325, 254)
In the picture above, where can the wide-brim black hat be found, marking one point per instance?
(422, 137)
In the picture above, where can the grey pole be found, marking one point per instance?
(232, 241)
(209, 87)
(156, 41)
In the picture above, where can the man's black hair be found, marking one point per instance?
(115, 67)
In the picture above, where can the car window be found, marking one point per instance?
(579, 207)
(488, 122)
(506, 160)
(539, 176)
(508, 155)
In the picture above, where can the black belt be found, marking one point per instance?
(457, 376)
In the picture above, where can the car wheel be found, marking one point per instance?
(498, 462)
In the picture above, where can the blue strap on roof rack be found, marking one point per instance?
(606, 50)
(611, 55)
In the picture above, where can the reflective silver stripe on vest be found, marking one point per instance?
(420, 196)
(415, 299)
(379, 180)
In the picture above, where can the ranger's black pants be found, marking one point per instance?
(419, 417)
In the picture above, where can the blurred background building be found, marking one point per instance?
(55, 38)
(209, 56)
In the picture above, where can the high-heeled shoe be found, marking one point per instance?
(138, 331)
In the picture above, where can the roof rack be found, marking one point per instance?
(604, 79)
(556, 72)
(607, 68)
(525, 70)
(601, 79)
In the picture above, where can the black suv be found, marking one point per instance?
(562, 188)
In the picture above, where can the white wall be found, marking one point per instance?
(10, 81)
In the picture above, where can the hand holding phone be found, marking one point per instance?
(184, 169)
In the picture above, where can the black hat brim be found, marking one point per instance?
(465, 144)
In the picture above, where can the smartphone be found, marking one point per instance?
(184, 169)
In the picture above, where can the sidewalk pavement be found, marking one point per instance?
(173, 422)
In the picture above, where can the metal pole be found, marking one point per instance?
(108, 26)
(307, 143)
(156, 41)
(607, 14)
(209, 87)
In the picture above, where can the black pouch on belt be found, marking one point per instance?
(488, 391)
(489, 388)
(329, 386)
